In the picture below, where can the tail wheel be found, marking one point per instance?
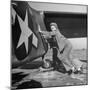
(47, 64)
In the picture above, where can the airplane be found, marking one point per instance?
(71, 19)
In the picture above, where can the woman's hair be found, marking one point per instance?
(53, 24)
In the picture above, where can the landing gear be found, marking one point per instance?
(47, 64)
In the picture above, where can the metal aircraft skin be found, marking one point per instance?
(26, 33)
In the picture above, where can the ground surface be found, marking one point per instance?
(29, 76)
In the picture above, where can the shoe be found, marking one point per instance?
(70, 72)
(78, 72)
(60, 69)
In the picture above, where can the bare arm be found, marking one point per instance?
(52, 33)
(48, 33)
(44, 32)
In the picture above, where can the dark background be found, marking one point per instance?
(71, 25)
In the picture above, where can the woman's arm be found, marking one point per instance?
(44, 32)
(52, 33)
(48, 33)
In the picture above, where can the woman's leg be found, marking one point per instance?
(57, 63)
(65, 56)
(54, 55)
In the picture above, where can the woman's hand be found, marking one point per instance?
(45, 34)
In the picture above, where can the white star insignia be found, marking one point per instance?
(25, 33)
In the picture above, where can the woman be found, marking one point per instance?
(64, 47)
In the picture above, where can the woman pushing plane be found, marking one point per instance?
(62, 50)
